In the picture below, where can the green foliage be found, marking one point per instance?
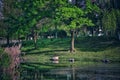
(4, 59)
(28, 43)
(118, 18)
(109, 21)
(23, 15)
(97, 48)
(2, 29)
(72, 16)
(90, 8)
(62, 34)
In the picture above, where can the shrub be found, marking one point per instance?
(4, 64)
(4, 59)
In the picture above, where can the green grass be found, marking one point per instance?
(89, 51)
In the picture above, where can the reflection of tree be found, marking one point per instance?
(41, 76)
(73, 72)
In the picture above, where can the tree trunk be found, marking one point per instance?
(8, 39)
(56, 35)
(73, 73)
(56, 32)
(72, 49)
(35, 43)
(18, 37)
(1, 71)
(35, 40)
(118, 35)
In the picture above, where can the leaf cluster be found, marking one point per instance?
(72, 16)
(4, 59)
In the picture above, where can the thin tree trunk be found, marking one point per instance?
(118, 35)
(35, 43)
(72, 49)
(73, 73)
(56, 33)
(8, 39)
(18, 37)
(35, 40)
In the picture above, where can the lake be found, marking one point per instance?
(98, 72)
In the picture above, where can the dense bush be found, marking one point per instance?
(9, 63)
(4, 64)
(62, 34)
(4, 59)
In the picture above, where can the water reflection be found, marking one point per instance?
(72, 73)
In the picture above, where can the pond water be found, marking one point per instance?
(73, 73)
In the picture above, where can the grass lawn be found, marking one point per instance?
(89, 51)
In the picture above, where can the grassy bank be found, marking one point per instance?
(89, 51)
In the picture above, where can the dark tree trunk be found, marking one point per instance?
(72, 49)
(1, 71)
(56, 35)
(18, 37)
(8, 39)
(35, 43)
(35, 40)
(19, 41)
(118, 34)
(56, 32)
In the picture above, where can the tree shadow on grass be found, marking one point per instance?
(44, 52)
(28, 50)
(90, 44)
(96, 44)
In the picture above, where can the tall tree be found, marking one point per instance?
(8, 12)
(109, 22)
(118, 24)
(73, 18)
(32, 12)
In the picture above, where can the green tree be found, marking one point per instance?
(109, 22)
(73, 18)
(118, 23)
(10, 20)
(5, 62)
(30, 13)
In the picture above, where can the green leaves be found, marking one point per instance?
(117, 12)
(109, 21)
(91, 7)
(30, 13)
(73, 17)
(4, 59)
(61, 13)
(69, 12)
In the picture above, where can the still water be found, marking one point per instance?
(73, 73)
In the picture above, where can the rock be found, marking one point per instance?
(105, 60)
(72, 60)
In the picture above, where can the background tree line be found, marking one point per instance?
(34, 18)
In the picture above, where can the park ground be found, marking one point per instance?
(89, 51)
